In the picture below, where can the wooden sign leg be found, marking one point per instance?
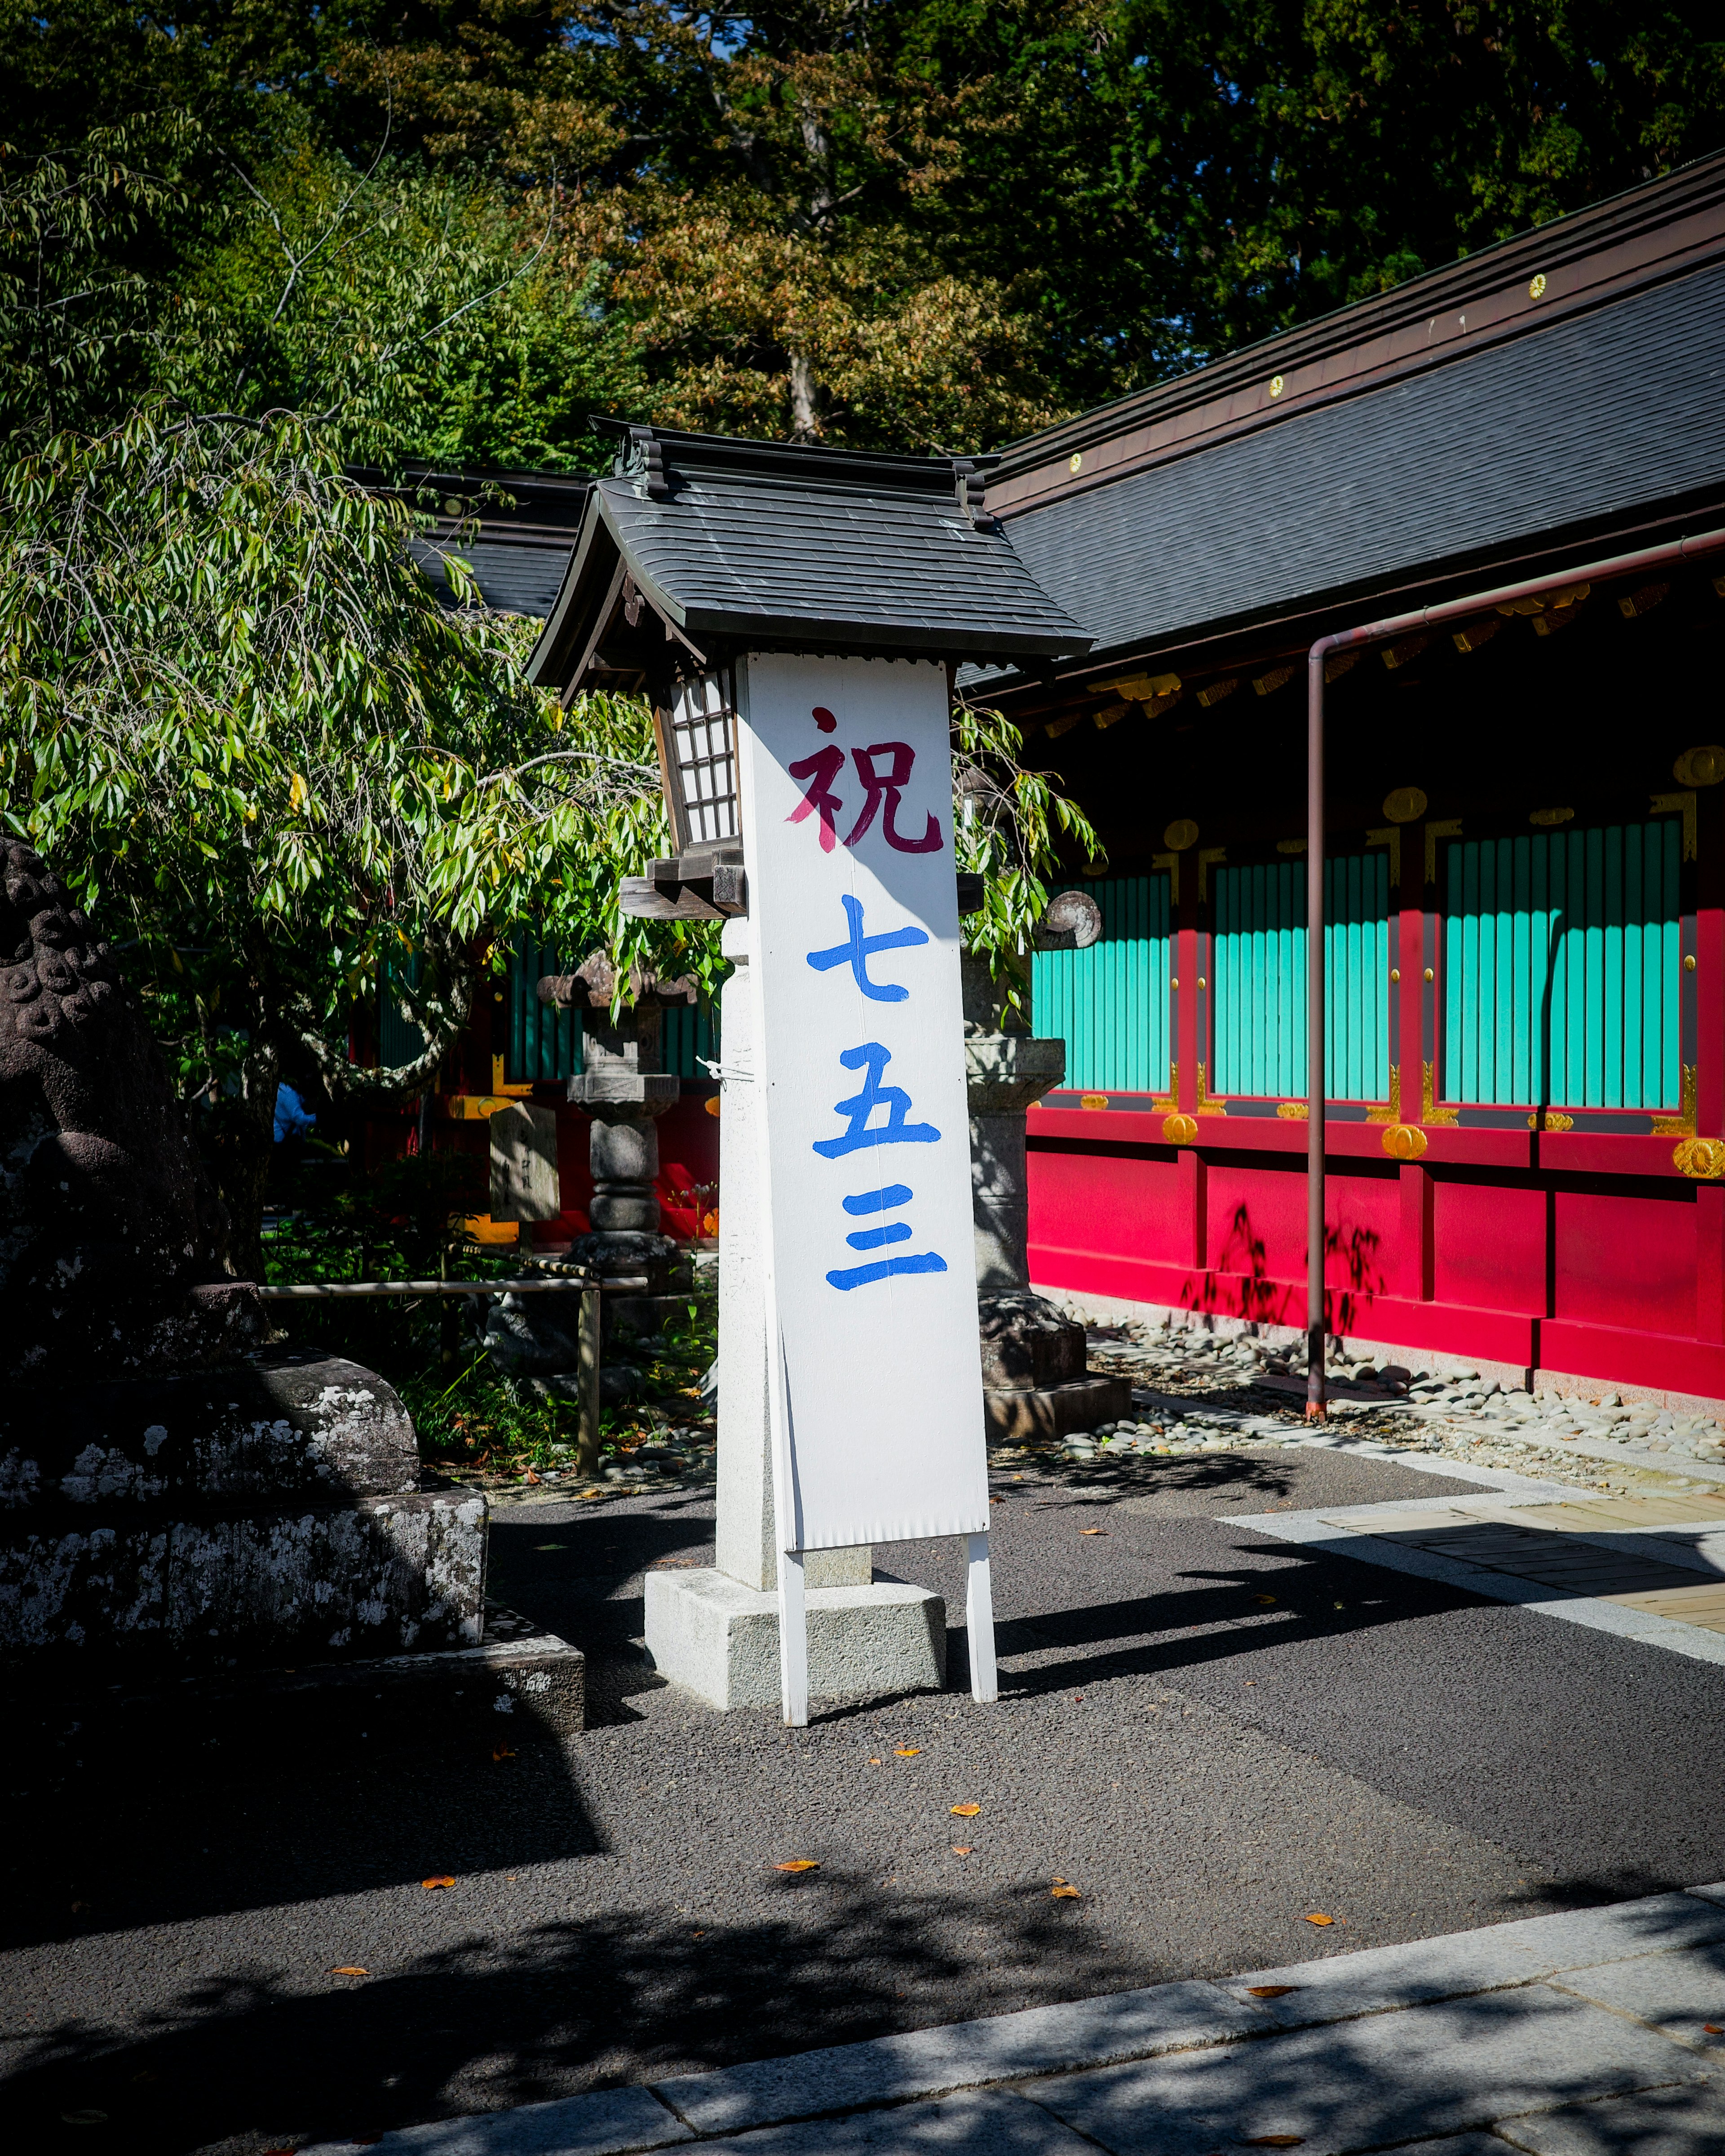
(792, 1640)
(979, 1623)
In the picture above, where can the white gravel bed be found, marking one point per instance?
(1597, 1442)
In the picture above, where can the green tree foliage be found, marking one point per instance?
(935, 220)
(234, 715)
(888, 221)
(415, 312)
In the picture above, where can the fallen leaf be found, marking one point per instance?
(966, 1850)
(1065, 1893)
(907, 1751)
(530, 1476)
(1714, 2028)
(799, 1864)
(1277, 2141)
(84, 2118)
(503, 1752)
(549, 1546)
(1269, 1990)
(1314, 1918)
(437, 1883)
(350, 1968)
(874, 1762)
(1093, 1531)
(964, 1811)
(1266, 1599)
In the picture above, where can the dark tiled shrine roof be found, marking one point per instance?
(773, 546)
(515, 574)
(1604, 413)
(515, 531)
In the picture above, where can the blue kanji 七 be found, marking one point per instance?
(858, 949)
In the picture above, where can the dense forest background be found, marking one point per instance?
(248, 245)
(449, 229)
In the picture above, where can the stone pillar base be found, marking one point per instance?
(1050, 1411)
(720, 1639)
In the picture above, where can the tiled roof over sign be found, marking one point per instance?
(1599, 414)
(770, 545)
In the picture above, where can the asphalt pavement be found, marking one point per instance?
(1214, 1735)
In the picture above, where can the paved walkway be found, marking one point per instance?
(1651, 1568)
(1209, 1728)
(1597, 2032)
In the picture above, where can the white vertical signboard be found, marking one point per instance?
(845, 776)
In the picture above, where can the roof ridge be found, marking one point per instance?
(1612, 219)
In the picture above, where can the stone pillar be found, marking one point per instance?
(716, 1632)
(1035, 1382)
(624, 1089)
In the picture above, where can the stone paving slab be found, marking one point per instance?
(1349, 1533)
(609, 2123)
(1128, 2024)
(990, 2122)
(1676, 2122)
(1456, 2066)
(1681, 1994)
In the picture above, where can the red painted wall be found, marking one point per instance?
(1514, 1249)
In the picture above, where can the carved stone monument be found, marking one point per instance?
(182, 1500)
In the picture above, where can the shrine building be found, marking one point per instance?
(1524, 815)
(1524, 818)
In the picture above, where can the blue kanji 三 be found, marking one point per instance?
(871, 1058)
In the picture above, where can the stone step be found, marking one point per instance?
(281, 1427)
(381, 1575)
(1050, 1411)
(520, 1683)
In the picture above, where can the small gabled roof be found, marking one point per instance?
(739, 545)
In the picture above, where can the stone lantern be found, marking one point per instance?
(1035, 1386)
(624, 1087)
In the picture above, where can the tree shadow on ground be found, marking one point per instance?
(585, 2003)
(1300, 1599)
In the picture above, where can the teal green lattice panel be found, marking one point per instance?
(692, 1031)
(1109, 1003)
(544, 1043)
(1259, 983)
(1562, 965)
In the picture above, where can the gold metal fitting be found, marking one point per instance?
(1702, 1158)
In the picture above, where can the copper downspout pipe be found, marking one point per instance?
(1673, 553)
